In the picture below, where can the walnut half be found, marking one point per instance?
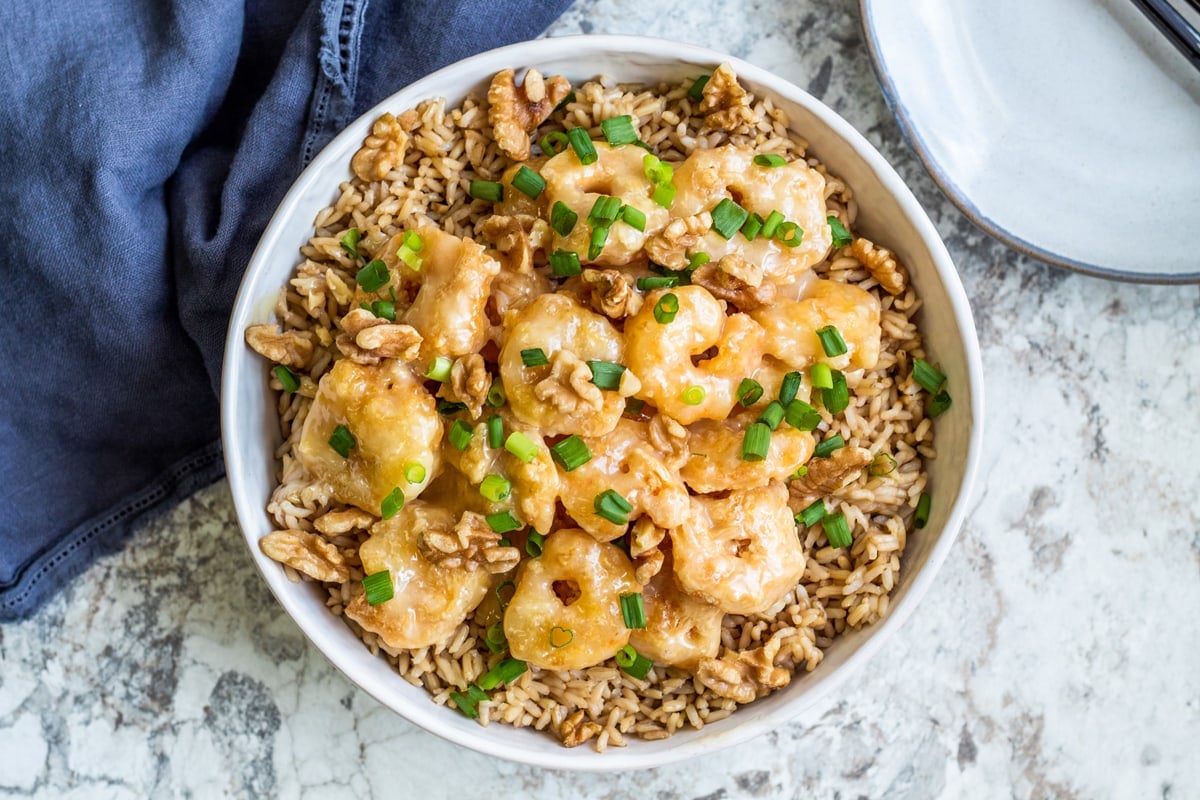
(826, 475)
(307, 553)
(611, 293)
(882, 265)
(472, 541)
(368, 339)
(290, 348)
(744, 676)
(724, 103)
(515, 112)
(732, 279)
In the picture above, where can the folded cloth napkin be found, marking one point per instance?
(143, 146)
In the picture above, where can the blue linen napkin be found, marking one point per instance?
(144, 145)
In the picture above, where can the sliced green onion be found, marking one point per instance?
(756, 442)
(350, 240)
(728, 218)
(534, 357)
(494, 638)
(752, 226)
(495, 432)
(373, 276)
(571, 453)
(378, 587)
(612, 506)
(605, 210)
(749, 392)
(565, 263)
(581, 143)
(812, 514)
(486, 190)
(439, 369)
(598, 240)
(663, 194)
(801, 416)
(938, 404)
(800, 472)
(788, 387)
(921, 517)
(448, 407)
(656, 170)
(342, 441)
(697, 90)
(528, 182)
(619, 130)
(772, 415)
(666, 308)
(633, 610)
(411, 245)
(534, 544)
(521, 446)
(789, 234)
(460, 435)
(657, 282)
(503, 522)
(414, 472)
(769, 160)
(385, 309)
(566, 101)
(495, 488)
(634, 217)
(468, 703)
(554, 143)
(495, 395)
(392, 504)
(821, 376)
(928, 376)
(828, 445)
(413, 241)
(288, 379)
(633, 663)
(693, 395)
(606, 374)
(837, 397)
(506, 671)
(634, 406)
(841, 236)
(559, 637)
(503, 597)
(881, 464)
(696, 260)
(837, 530)
(562, 218)
(831, 341)
(771, 225)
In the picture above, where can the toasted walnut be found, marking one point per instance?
(290, 348)
(611, 293)
(882, 265)
(307, 553)
(745, 676)
(515, 112)
(670, 438)
(368, 339)
(725, 104)
(472, 541)
(382, 150)
(647, 565)
(569, 384)
(669, 247)
(826, 475)
(510, 235)
(469, 383)
(335, 523)
(732, 280)
(574, 731)
(645, 537)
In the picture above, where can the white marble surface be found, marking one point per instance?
(1057, 658)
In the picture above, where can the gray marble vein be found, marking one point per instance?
(1056, 658)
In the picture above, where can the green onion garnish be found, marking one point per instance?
(528, 182)
(666, 308)
(571, 453)
(581, 143)
(612, 506)
(503, 522)
(448, 407)
(837, 397)
(350, 240)
(559, 636)
(598, 240)
(460, 435)
(392, 504)
(788, 387)
(881, 464)
(922, 515)
(411, 245)
(619, 130)
(801, 416)
(831, 341)
(938, 404)
(841, 236)
(756, 442)
(634, 406)
(697, 90)
(565, 263)
(657, 282)
(494, 638)
(771, 225)
(534, 544)
(342, 441)
(495, 395)
(728, 218)
(633, 663)
(439, 369)
(634, 217)
(562, 218)
(495, 432)
(752, 226)
(821, 376)
(385, 309)
(693, 395)
(772, 415)
(769, 160)
(486, 190)
(749, 392)
(506, 671)
(696, 260)
(813, 514)
(789, 234)
(928, 376)
(554, 143)
(503, 597)
(521, 446)
(828, 445)
(606, 374)
(656, 170)
(468, 703)
(495, 488)
(378, 587)
(605, 210)
(414, 472)
(566, 101)
(373, 276)
(534, 357)
(633, 611)
(837, 530)
(288, 379)
(663, 194)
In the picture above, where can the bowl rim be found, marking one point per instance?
(433, 718)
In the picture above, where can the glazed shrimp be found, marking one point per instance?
(741, 552)
(390, 423)
(680, 629)
(661, 354)
(791, 326)
(566, 611)
(429, 600)
(715, 463)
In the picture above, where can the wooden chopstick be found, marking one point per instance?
(1174, 26)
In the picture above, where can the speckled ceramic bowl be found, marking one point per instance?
(889, 213)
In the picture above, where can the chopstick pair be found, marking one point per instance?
(1174, 26)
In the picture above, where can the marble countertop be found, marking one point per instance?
(1056, 657)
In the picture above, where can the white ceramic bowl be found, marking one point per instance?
(889, 212)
